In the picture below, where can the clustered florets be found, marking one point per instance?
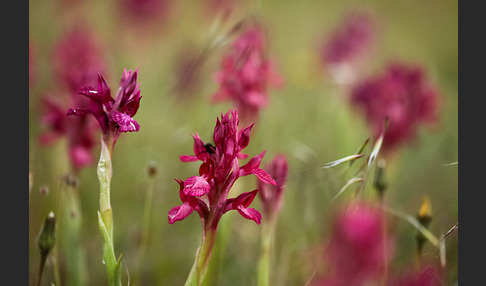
(218, 172)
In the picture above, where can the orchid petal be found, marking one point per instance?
(78, 111)
(196, 186)
(187, 158)
(244, 137)
(125, 122)
(250, 213)
(179, 212)
(253, 164)
(264, 176)
(199, 149)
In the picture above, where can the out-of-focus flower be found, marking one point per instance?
(428, 276)
(245, 73)
(217, 174)
(350, 40)
(143, 12)
(271, 195)
(356, 251)
(403, 95)
(78, 58)
(114, 115)
(79, 132)
(347, 44)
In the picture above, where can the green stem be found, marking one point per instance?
(203, 255)
(145, 227)
(105, 214)
(41, 269)
(268, 231)
(55, 266)
(71, 229)
(385, 241)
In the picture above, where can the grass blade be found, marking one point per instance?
(341, 161)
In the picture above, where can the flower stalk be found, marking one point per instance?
(271, 197)
(264, 263)
(105, 214)
(115, 116)
(151, 172)
(207, 194)
(201, 263)
(70, 226)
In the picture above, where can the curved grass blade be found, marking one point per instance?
(350, 158)
(413, 221)
(348, 183)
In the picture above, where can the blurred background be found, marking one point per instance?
(309, 119)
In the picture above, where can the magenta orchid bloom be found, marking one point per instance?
(79, 133)
(245, 74)
(218, 172)
(271, 195)
(207, 193)
(402, 95)
(114, 115)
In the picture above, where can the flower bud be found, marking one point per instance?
(152, 169)
(47, 238)
(424, 216)
(380, 181)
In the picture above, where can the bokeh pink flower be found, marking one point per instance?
(78, 131)
(403, 94)
(427, 276)
(142, 13)
(350, 40)
(78, 57)
(246, 73)
(356, 253)
(271, 196)
(344, 49)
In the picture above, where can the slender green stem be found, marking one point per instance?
(203, 255)
(384, 231)
(57, 275)
(105, 214)
(41, 269)
(264, 263)
(71, 222)
(145, 227)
